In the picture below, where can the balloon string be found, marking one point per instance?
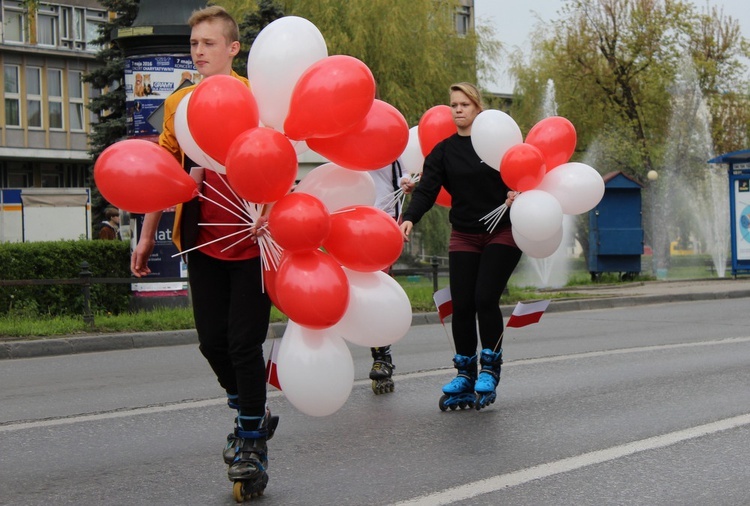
(210, 242)
(492, 218)
(245, 215)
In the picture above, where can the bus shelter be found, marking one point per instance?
(739, 207)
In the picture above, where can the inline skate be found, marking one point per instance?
(489, 377)
(382, 370)
(459, 393)
(248, 468)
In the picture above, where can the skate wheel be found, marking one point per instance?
(238, 492)
(441, 403)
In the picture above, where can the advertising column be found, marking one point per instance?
(149, 80)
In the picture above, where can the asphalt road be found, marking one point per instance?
(644, 405)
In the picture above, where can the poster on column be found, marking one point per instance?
(149, 80)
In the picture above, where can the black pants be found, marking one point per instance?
(477, 281)
(231, 316)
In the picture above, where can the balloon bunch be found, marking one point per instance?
(538, 167)
(326, 244)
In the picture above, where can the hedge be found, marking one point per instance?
(62, 260)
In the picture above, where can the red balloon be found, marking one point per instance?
(364, 238)
(522, 167)
(444, 198)
(142, 177)
(299, 222)
(330, 97)
(261, 165)
(220, 108)
(435, 125)
(269, 286)
(371, 144)
(556, 139)
(312, 288)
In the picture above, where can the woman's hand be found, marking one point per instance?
(406, 229)
(511, 197)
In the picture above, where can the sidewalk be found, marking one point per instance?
(577, 298)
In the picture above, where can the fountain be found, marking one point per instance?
(693, 193)
(553, 271)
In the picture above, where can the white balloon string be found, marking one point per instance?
(492, 218)
(234, 204)
(211, 242)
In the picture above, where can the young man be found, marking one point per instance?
(231, 311)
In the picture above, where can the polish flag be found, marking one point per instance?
(526, 314)
(443, 302)
(272, 373)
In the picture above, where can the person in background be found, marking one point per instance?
(387, 180)
(231, 310)
(110, 228)
(480, 262)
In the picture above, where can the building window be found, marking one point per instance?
(34, 97)
(12, 96)
(14, 22)
(75, 95)
(51, 175)
(94, 20)
(47, 19)
(18, 175)
(463, 20)
(55, 98)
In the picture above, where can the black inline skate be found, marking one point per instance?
(459, 393)
(489, 377)
(248, 468)
(381, 373)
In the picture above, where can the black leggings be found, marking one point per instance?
(477, 281)
(231, 316)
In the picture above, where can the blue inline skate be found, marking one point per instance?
(489, 377)
(248, 469)
(459, 393)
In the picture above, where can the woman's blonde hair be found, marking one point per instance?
(470, 91)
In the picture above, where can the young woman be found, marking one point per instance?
(480, 262)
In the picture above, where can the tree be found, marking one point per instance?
(615, 64)
(109, 106)
(411, 47)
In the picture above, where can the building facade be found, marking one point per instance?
(44, 56)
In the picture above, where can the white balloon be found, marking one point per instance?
(538, 249)
(186, 141)
(577, 186)
(536, 214)
(280, 54)
(316, 370)
(379, 311)
(492, 134)
(412, 158)
(338, 187)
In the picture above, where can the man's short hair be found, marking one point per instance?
(111, 212)
(216, 12)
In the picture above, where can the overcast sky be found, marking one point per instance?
(514, 22)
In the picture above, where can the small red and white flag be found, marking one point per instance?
(443, 302)
(526, 314)
(272, 373)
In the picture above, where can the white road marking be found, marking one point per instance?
(522, 476)
(179, 406)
